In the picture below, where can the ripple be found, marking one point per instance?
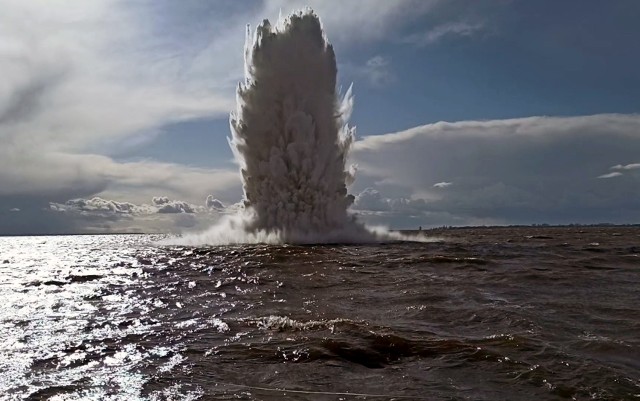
(484, 314)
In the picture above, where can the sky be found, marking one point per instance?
(114, 115)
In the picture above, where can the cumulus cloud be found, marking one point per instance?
(176, 207)
(371, 200)
(106, 215)
(213, 203)
(159, 200)
(98, 205)
(398, 212)
(528, 170)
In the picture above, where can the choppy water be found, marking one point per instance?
(482, 314)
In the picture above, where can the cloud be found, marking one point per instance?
(377, 70)
(620, 168)
(57, 177)
(442, 184)
(97, 205)
(528, 170)
(374, 208)
(213, 203)
(371, 200)
(353, 22)
(438, 33)
(632, 166)
(159, 200)
(176, 207)
(99, 215)
(77, 80)
(82, 80)
(610, 175)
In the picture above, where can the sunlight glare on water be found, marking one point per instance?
(482, 314)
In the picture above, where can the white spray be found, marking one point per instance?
(291, 139)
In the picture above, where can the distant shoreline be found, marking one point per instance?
(426, 229)
(527, 226)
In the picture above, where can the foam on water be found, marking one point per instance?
(291, 138)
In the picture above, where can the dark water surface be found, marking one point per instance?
(480, 314)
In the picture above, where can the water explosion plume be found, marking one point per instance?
(291, 139)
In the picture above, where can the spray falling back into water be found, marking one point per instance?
(291, 139)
